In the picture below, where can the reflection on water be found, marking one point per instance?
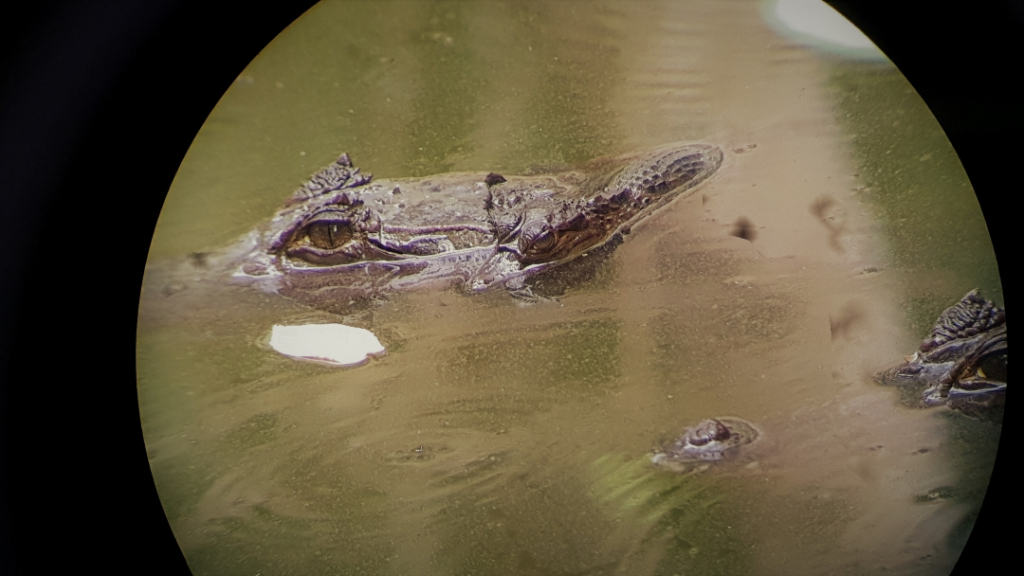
(498, 439)
(912, 177)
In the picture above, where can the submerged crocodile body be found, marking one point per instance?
(344, 237)
(962, 363)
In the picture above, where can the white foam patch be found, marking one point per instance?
(816, 23)
(334, 344)
(818, 19)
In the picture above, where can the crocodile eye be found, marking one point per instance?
(329, 235)
(993, 367)
(539, 242)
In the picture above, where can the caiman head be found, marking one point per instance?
(344, 237)
(962, 363)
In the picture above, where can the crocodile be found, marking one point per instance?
(709, 440)
(962, 362)
(344, 237)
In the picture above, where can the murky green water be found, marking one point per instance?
(926, 207)
(500, 439)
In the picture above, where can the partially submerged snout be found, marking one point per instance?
(962, 363)
(709, 440)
